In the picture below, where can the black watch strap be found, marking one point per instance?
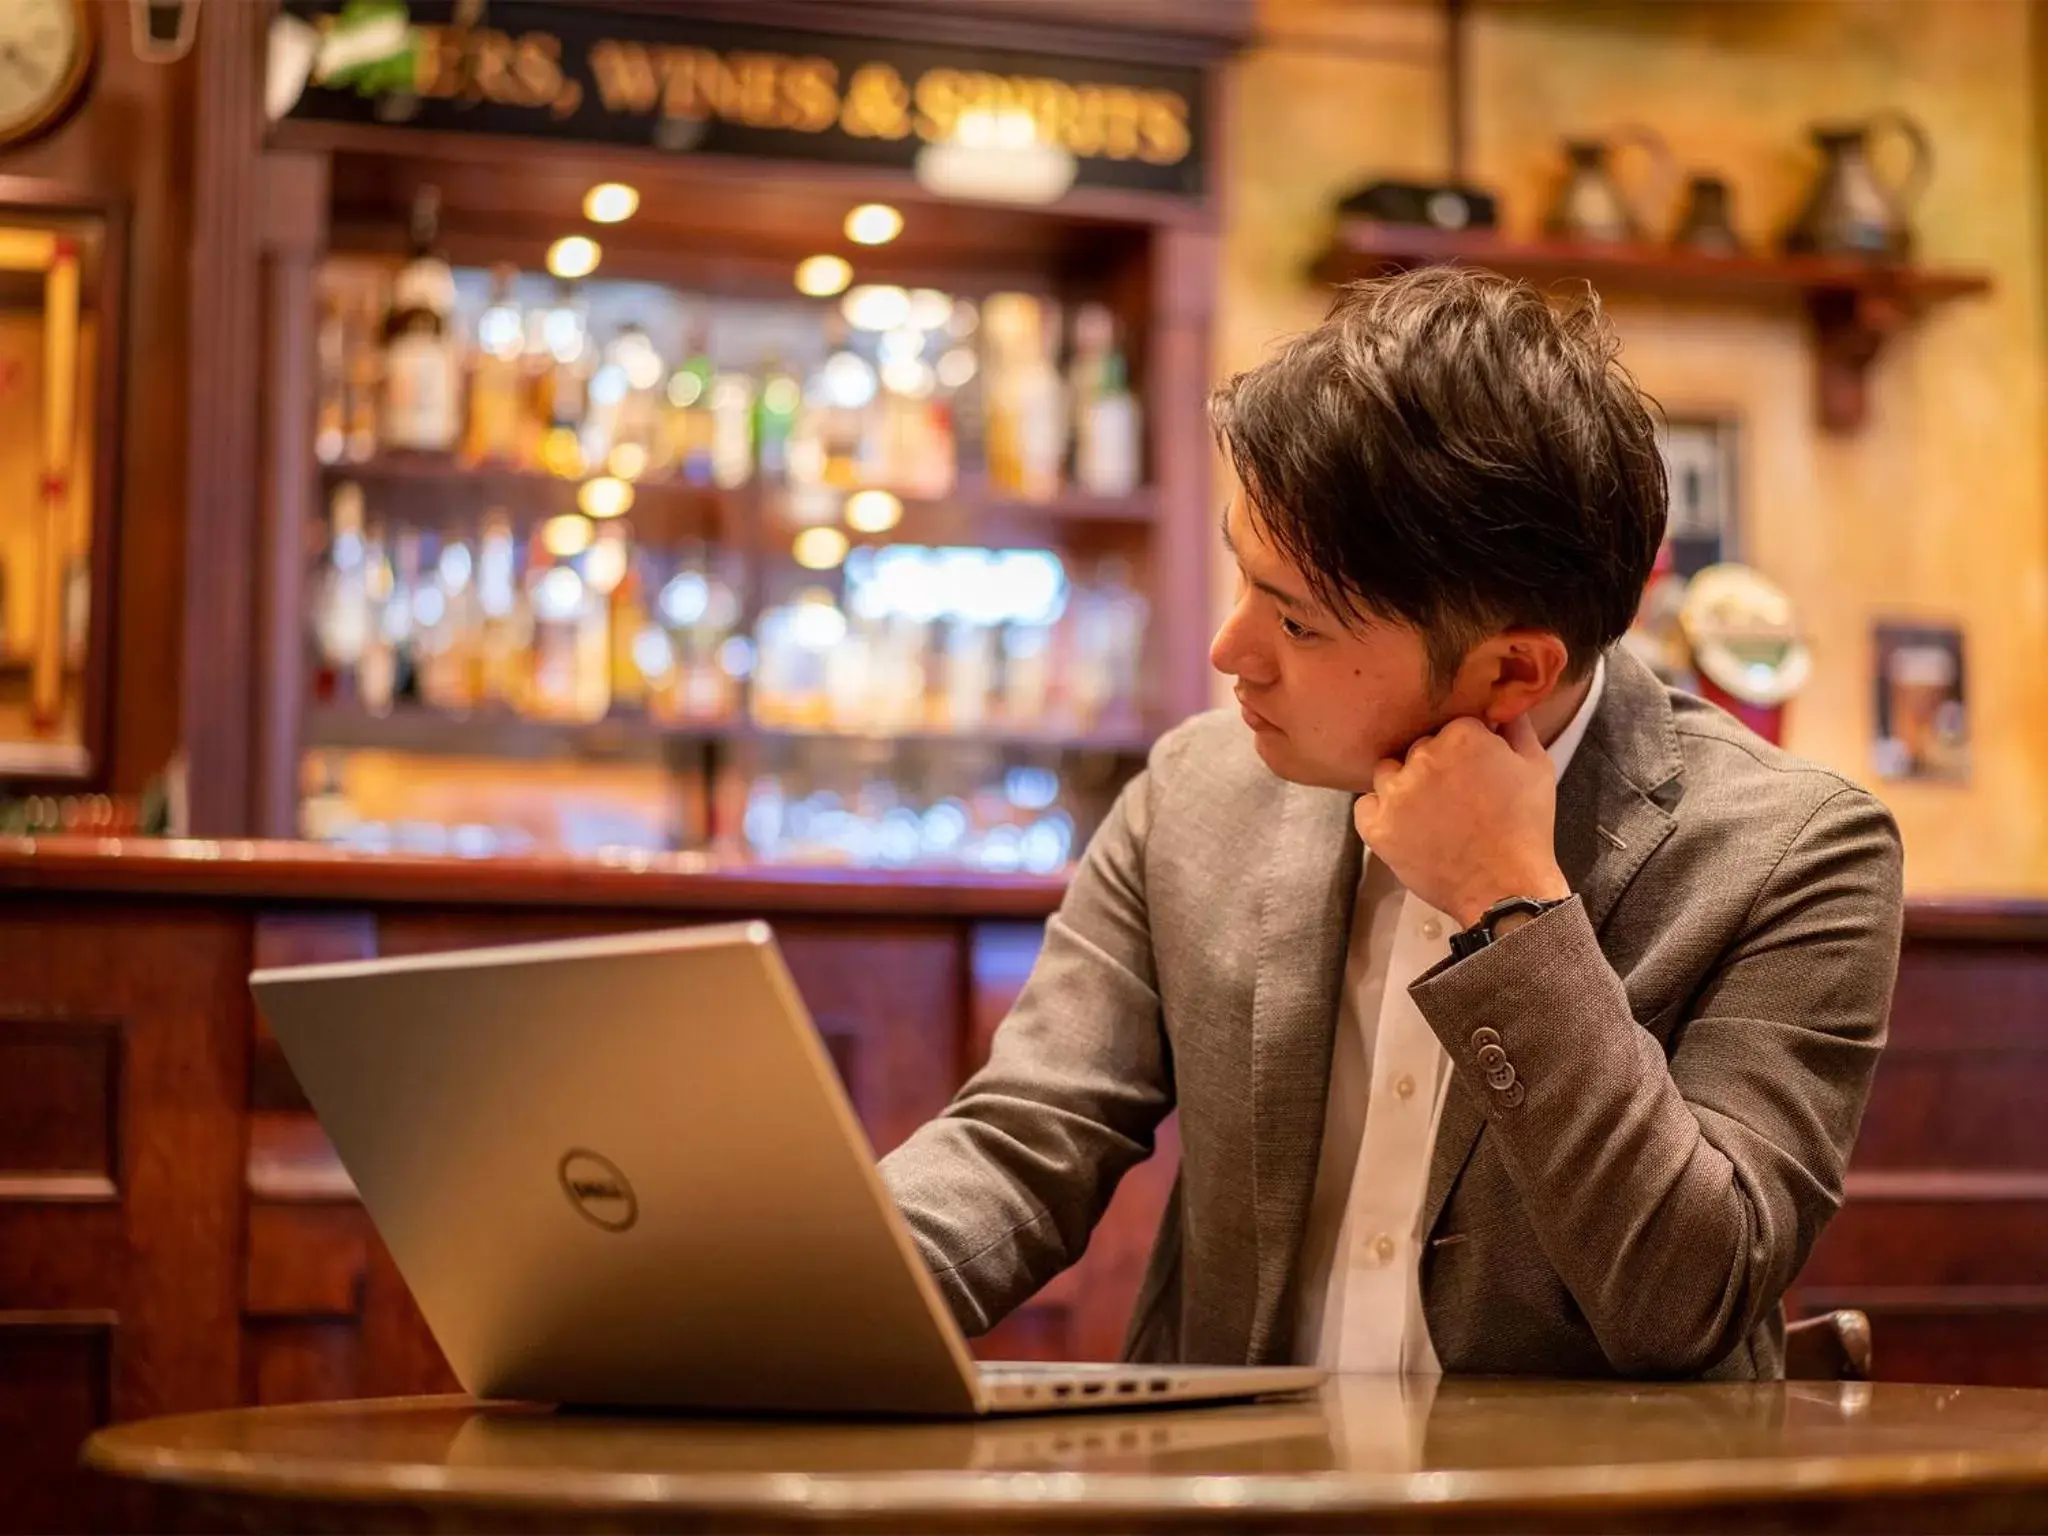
(1481, 933)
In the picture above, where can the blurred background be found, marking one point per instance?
(600, 428)
(765, 442)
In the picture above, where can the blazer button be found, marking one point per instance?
(1482, 1038)
(1502, 1077)
(1513, 1094)
(1492, 1058)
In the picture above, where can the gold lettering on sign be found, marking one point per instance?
(1163, 137)
(490, 68)
(940, 94)
(626, 81)
(799, 94)
(810, 94)
(877, 104)
(436, 63)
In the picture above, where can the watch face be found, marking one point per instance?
(41, 43)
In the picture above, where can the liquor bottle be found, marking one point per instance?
(626, 606)
(1024, 397)
(504, 615)
(555, 594)
(625, 410)
(330, 414)
(342, 614)
(420, 391)
(451, 643)
(573, 358)
(377, 670)
(402, 617)
(732, 429)
(1106, 419)
(838, 404)
(364, 367)
(1041, 405)
(536, 386)
(691, 426)
(493, 432)
(776, 403)
(603, 567)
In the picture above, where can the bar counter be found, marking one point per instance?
(176, 1234)
(252, 870)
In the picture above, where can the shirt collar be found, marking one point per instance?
(1566, 747)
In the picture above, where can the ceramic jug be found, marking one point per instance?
(1852, 209)
(1592, 204)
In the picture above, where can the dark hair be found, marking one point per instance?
(1449, 450)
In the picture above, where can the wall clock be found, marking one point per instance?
(46, 57)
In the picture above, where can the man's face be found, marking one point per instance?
(1325, 701)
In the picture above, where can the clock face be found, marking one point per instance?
(42, 49)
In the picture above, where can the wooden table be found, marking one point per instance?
(1462, 1455)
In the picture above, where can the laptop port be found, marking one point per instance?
(1091, 1388)
(1162, 1384)
(1126, 1388)
(1063, 1389)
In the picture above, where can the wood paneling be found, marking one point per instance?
(300, 1361)
(60, 1083)
(218, 688)
(229, 1244)
(307, 1260)
(131, 141)
(895, 993)
(1911, 1122)
(55, 1389)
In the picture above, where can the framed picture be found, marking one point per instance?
(61, 285)
(1923, 723)
(1699, 461)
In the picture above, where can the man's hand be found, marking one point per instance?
(1468, 819)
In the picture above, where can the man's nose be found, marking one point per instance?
(1232, 652)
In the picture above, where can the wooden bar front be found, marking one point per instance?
(176, 1234)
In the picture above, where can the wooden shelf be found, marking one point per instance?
(631, 738)
(1856, 306)
(438, 488)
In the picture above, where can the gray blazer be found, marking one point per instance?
(1694, 1034)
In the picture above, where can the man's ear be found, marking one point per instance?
(1514, 671)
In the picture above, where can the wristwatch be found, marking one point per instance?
(1481, 933)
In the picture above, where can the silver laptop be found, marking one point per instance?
(623, 1171)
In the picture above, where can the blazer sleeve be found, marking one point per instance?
(1002, 1190)
(1678, 1197)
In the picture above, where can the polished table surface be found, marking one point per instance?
(1364, 1454)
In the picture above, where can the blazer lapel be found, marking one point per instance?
(1612, 813)
(1311, 884)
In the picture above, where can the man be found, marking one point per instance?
(1519, 1012)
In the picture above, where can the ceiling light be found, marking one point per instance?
(873, 511)
(996, 155)
(930, 309)
(567, 535)
(819, 277)
(628, 461)
(610, 202)
(819, 549)
(606, 496)
(873, 224)
(573, 256)
(875, 307)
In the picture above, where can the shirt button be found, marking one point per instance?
(1431, 928)
(1383, 1248)
(1405, 1086)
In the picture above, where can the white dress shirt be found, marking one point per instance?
(1359, 1300)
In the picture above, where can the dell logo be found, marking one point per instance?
(598, 1190)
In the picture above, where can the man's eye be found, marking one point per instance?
(1294, 631)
